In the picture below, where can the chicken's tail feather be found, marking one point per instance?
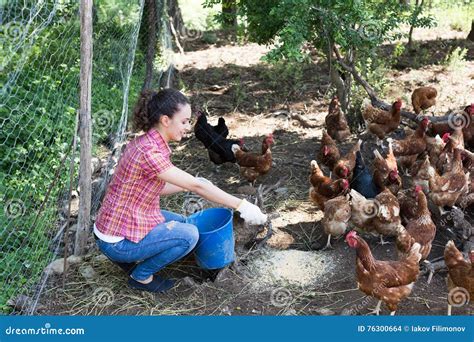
(392, 144)
(235, 148)
(356, 196)
(378, 155)
(415, 251)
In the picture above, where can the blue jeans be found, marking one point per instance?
(166, 243)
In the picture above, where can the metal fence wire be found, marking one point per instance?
(39, 79)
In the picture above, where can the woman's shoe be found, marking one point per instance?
(158, 284)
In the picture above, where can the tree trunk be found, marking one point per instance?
(152, 21)
(410, 34)
(340, 80)
(229, 11)
(85, 173)
(470, 36)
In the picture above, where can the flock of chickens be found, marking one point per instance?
(439, 164)
(436, 164)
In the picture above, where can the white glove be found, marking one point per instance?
(203, 180)
(251, 213)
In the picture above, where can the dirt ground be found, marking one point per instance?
(289, 275)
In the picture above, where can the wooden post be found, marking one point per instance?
(85, 134)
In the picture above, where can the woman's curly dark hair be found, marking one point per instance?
(152, 105)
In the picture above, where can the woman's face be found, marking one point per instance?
(179, 124)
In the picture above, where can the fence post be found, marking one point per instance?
(85, 134)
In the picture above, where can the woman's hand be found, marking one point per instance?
(251, 213)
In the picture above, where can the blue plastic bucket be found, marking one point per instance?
(215, 248)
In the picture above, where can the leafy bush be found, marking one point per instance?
(283, 76)
(456, 59)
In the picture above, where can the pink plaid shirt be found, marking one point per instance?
(131, 207)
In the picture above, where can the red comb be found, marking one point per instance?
(445, 137)
(351, 234)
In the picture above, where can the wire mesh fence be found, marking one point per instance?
(39, 78)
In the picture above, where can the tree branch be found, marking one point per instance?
(175, 35)
(376, 102)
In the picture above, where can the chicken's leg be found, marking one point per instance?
(442, 211)
(382, 241)
(328, 244)
(430, 267)
(376, 311)
(404, 171)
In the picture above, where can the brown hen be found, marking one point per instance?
(386, 171)
(446, 189)
(328, 154)
(336, 122)
(324, 188)
(388, 281)
(460, 274)
(420, 228)
(423, 98)
(381, 122)
(337, 212)
(251, 164)
(345, 166)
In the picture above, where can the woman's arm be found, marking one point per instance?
(184, 180)
(170, 189)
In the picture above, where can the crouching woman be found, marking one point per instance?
(131, 229)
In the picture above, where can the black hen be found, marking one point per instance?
(221, 128)
(362, 180)
(214, 139)
(206, 132)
